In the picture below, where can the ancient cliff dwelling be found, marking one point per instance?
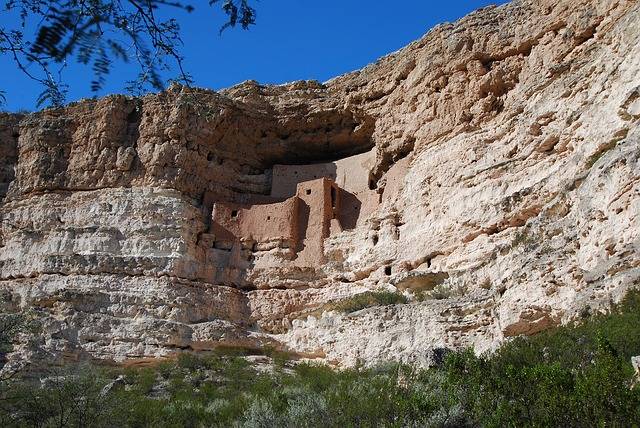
(305, 205)
(486, 175)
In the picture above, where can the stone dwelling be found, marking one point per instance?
(307, 204)
(297, 224)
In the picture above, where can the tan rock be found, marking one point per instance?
(497, 155)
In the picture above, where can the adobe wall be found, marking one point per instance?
(286, 178)
(350, 174)
(318, 206)
(260, 223)
(359, 201)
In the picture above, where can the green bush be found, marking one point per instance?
(367, 300)
(65, 398)
(572, 376)
(441, 292)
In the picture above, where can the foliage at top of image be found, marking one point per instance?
(574, 376)
(97, 33)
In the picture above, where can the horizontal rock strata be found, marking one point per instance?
(495, 161)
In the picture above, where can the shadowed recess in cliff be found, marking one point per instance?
(8, 149)
(312, 126)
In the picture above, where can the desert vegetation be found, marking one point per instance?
(577, 375)
(366, 300)
(450, 288)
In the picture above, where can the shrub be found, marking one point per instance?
(572, 376)
(450, 288)
(65, 398)
(190, 361)
(525, 238)
(12, 324)
(306, 408)
(261, 415)
(367, 300)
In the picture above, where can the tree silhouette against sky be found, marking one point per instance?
(83, 45)
(47, 34)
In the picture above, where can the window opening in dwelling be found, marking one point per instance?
(334, 197)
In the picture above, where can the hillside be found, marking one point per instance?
(480, 184)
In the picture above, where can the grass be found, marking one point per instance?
(619, 136)
(573, 376)
(366, 300)
(523, 237)
(447, 290)
(600, 153)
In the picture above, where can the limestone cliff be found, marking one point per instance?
(497, 158)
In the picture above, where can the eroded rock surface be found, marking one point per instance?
(497, 158)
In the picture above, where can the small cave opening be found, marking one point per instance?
(234, 213)
(244, 287)
(502, 289)
(334, 198)
(135, 116)
(374, 239)
(387, 270)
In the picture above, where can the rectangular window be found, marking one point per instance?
(334, 198)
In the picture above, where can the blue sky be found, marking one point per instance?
(293, 39)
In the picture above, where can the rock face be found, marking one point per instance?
(496, 160)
